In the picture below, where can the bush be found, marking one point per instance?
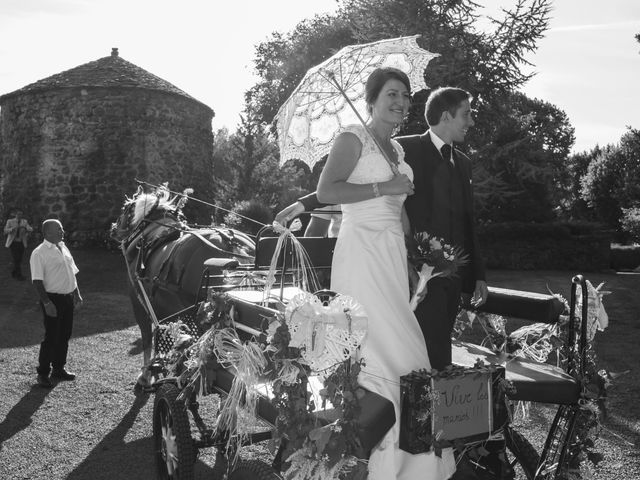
(249, 216)
(631, 222)
(576, 247)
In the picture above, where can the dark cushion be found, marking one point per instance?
(534, 382)
(537, 307)
(221, 263)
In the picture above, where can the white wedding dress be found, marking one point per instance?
(370, 264)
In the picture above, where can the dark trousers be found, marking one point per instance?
(57, 332)
(436, 315)
(17, 252)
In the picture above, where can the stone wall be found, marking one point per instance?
(74, 153)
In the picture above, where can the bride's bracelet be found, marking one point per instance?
(376, 190)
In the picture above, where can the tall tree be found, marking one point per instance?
(282, 61)
(520, 144)
(531, 140)
(574, 206)
(612, 181)
(246, 168)
(488, 64)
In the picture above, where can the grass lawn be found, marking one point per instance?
(97, 428)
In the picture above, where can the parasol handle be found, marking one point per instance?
(392, 164)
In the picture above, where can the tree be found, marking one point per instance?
(612, 181)
(526, 160)
(282, 61)
(520, 145)
(487, 64)
(246, 168)
(574, 206)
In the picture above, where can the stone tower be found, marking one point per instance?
(72, 144)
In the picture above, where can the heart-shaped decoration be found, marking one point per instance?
(325, 334)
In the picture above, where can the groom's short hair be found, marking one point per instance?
(444, 99)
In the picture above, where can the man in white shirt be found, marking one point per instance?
(17, 230)
(53, 273)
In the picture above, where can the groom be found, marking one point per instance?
(443, 206)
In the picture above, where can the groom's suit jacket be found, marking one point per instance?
(425, 159)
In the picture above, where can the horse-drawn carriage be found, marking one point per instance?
(215, 346)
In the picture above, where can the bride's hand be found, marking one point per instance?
(398, 185)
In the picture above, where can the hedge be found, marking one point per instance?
(578, 247)
(625, 257)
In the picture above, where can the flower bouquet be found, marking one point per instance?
(432, 258)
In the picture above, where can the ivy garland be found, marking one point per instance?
(310, 447)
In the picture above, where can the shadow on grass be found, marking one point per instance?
(114, 459)
(104, 286)
(19, 417)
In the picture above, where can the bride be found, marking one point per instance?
(370, 261)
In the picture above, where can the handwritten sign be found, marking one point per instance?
(463, 407)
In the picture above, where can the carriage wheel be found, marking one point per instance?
(173, 446)
(253, 470)
(521, 455)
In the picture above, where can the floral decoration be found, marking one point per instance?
(311, 449)
(432, 257)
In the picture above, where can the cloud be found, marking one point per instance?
(595, 26)
(24, 8)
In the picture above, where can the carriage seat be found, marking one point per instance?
(221, 263)
(537, 307)
(319, 251)
(276, 295)
(534, 382)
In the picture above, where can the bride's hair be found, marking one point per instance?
(377, 80)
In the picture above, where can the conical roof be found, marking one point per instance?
(111, 71)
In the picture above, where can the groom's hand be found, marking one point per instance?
(413, 285)
(413, 279)
(480, 294)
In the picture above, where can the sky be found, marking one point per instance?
(588, 64)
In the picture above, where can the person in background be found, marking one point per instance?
(53, 273)
(17, 230)
(325, 222)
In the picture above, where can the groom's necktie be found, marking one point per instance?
(447, 154)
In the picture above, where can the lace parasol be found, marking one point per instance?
(332, 95)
